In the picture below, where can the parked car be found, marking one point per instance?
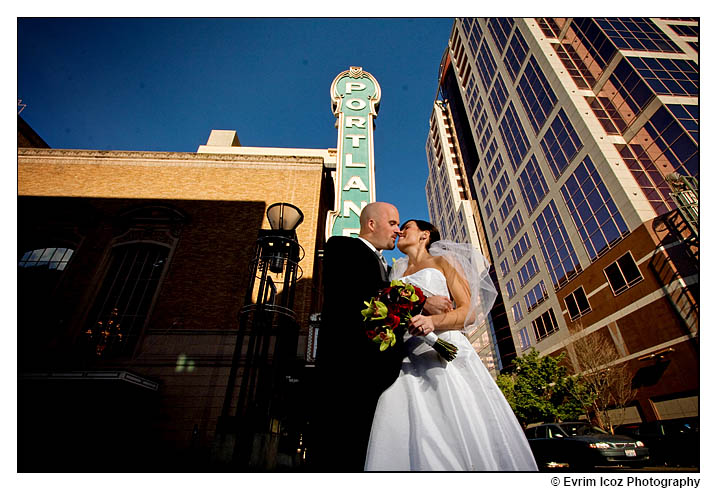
(582, 446)
(673, 442)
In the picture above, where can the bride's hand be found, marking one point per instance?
(437, 304)
(421, 325)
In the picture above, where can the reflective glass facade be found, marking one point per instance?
(498, 96)
(514, 136)
(536, 94)
(500, 27)
(532, 184)
(515, 54)
(513, 226)
(535, 296)
(666, 76)
(522, 246)
(593, 211)
(528, 271)
(563, 113)
(507, 205)
(486, 64)
(637, 35)
(556, 246)
(560, 144)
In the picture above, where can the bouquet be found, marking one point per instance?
(394, 307)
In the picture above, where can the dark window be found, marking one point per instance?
(500, 28)
(668, 76)
(687, 116)
(513, 226)
(498, 96)
(522, 245)
(560, 144)
(474, 38)
(637, 34)
(504, 266)
(515, 54)
(561, 260)
(541, 432)
(607, 114)
(524, 341)
(574, 65)
(597, 219)
(627, 91)
(649, 178)
(535, 296)
(498, 165)
(507, 205)
(671, 145)
(487, 64)
(514, 137)
(511, 288)
(494, 227)
(536, 94)
(598, 47)
(532, 184)
(623, 274)
(685, 31)
(123, 304)
(489, 208)
(501, 187)
(577, 303)
(38, 276)
(466, 23)
(528, 271)
(499, 244)
(549, 26)
(545, 325)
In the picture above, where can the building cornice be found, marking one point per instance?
(122, 157)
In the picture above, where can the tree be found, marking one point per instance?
(541, 390)
(609, 383)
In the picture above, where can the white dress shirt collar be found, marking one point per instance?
(369, 244)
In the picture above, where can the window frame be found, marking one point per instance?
(628, 284)
(572, 295)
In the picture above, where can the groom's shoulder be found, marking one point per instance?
(338, 241)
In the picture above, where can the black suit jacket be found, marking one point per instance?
(352, 371)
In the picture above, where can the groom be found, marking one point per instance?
(351, 371)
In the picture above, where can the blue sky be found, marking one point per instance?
(164, 84)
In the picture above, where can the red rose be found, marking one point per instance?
(392, 321)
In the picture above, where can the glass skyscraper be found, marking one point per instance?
(570, 146)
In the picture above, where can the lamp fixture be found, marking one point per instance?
(284, 216)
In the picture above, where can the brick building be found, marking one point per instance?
(133, 267)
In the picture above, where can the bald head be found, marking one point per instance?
(379, 224)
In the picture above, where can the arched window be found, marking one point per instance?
(146, 238)
(54, 258)
(125, 297)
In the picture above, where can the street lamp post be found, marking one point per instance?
(269, 326)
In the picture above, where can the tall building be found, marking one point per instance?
(579, 141)
(455, 216)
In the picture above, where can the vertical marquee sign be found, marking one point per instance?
(355, 102)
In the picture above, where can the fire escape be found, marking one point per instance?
(675, 260)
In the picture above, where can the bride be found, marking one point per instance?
(438, 415)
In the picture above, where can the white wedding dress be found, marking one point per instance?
(445, 416)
